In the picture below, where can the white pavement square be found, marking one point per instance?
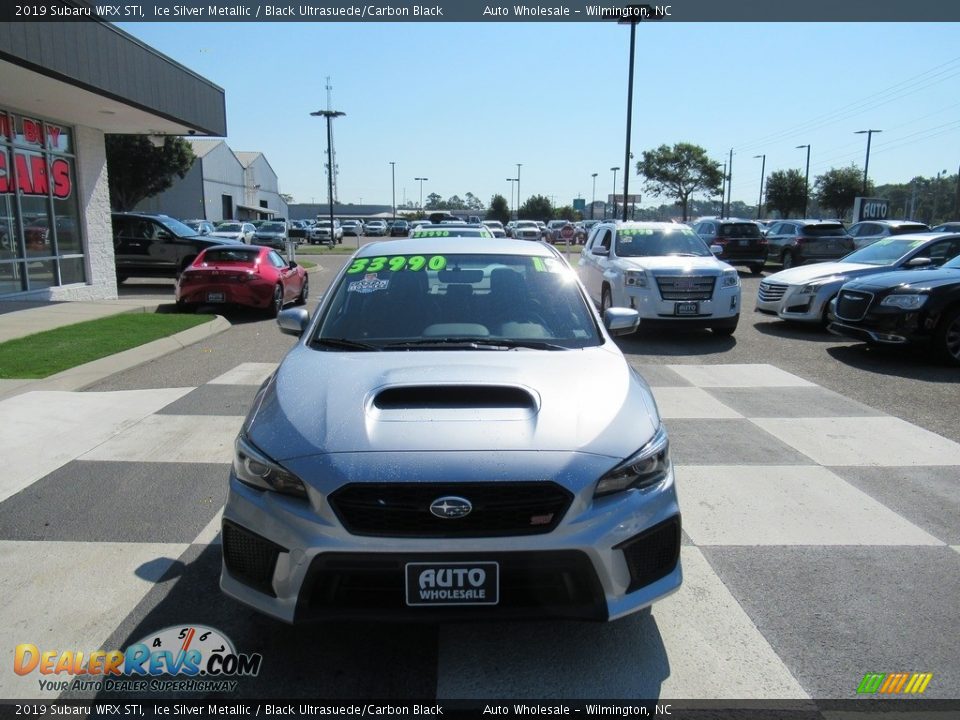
(173, 438)
(788, 505)
(53, 428)
(690, 402)
(870, 441)
(739, 376)
(699, 644)
(245, 374)
(70, 596)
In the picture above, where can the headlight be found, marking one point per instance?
(635, 278)
(730, 278)
(812, 288)
(646, 467)
(905, 302)
(254, 468)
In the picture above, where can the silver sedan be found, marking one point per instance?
(421, 452)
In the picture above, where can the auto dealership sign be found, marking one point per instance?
(870, 209)
(32, 173)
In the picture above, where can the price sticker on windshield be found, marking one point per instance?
(396, 263)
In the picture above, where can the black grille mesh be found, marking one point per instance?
(250, 558)
(403, 509)
(652, 554)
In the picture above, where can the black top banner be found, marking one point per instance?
(740, 11)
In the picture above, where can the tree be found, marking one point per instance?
(499, 209)
(536, 207)
(565, 213)
(678, 172)
(837, 188)
(456, 203)
(435, 202)
(138, 170)
(786, 192)
(473, 202)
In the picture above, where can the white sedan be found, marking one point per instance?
(240, 231)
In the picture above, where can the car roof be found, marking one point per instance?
(894, 223)
(927, 237)
(649, 224)
(454, 244)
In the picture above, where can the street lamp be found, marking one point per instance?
(763, 172)
(329, 115)
(615, 192)
(936, 197)
(866, 163)
(511, 181)
(806, 181)
(393, 187)
(633, 19)
(421, 191)
(518, 190)
(593, 197)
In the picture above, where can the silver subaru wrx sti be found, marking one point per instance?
(455, 436)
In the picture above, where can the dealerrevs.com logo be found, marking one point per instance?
(188, 658)
(899, 683)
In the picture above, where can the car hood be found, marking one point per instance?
(808, 273)
(268, 234)
(674, 263)
(911, 279)
(321, 402)
(226, 234)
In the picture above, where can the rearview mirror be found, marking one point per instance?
(716, 249)
(293, 321)
(602, 251)
(621, 321)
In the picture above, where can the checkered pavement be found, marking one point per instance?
(821, 541)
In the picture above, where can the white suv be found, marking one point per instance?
(663, 270)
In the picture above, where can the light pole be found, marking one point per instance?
(806, 181)
(420, 206)
(593, 197)
(936, 197)
(866, 163)
(393, 187)
(723, 190)
(763, 173)
(633, 20)
(615, 191)
(511, 181)
(518, 190)
(329, 115)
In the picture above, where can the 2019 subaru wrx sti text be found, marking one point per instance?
(455, 435)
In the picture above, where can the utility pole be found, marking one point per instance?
(393, 188)
(332, 155)
(866, 163)
(593, 197)
(806, 181)
(614, 217)
(763, 174)
(518, 190)
(329, 115)
(723, 189)
(729, 182)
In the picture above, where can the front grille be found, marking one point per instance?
(686, 287)
(250, 558)
(771, 292)
(652, 554)
(853, 304)
(555, 583)
(403, 509)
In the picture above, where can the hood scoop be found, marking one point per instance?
(453, 402)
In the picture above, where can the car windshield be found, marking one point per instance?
(228, 227)
(272, 227)
(451, 231)
(645, 242)
(823, 230)
(884, 252)
(457, 301)
(526, 224)
(245, 256)
(904, 229)
(176, 227)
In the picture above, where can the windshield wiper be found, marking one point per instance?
(476, 342)
(345, 343)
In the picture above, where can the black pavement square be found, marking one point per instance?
(727, 442)
(214, 400)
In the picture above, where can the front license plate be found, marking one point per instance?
(743, 243)
(687, 308)
(453, 583)
(215, 297)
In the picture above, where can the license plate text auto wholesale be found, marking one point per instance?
(215, 297)
(687, 308)
(453, 583)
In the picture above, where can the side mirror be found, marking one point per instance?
(621, 321)
(919, 262)
(293, 321)
(716, 249)
(292, 264)
(600, 250)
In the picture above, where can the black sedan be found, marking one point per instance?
(908, 306)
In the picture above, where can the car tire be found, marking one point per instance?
(304, 291)
(787, 260)
(726, 329)
(276, 303)
(606, 301)
(183, 307)
(947, 337)
(756, 269)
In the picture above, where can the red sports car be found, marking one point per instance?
(247, 275)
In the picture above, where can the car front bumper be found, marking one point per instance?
(606, 558)
(723, 305)
(794, 305)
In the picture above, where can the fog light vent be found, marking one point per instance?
(250, 558)
(653, 554)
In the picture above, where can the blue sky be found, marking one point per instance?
(462, 104)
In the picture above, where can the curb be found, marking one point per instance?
(83, 376)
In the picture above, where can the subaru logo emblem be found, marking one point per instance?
(450, 507)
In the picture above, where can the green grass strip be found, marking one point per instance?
(45, 353)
